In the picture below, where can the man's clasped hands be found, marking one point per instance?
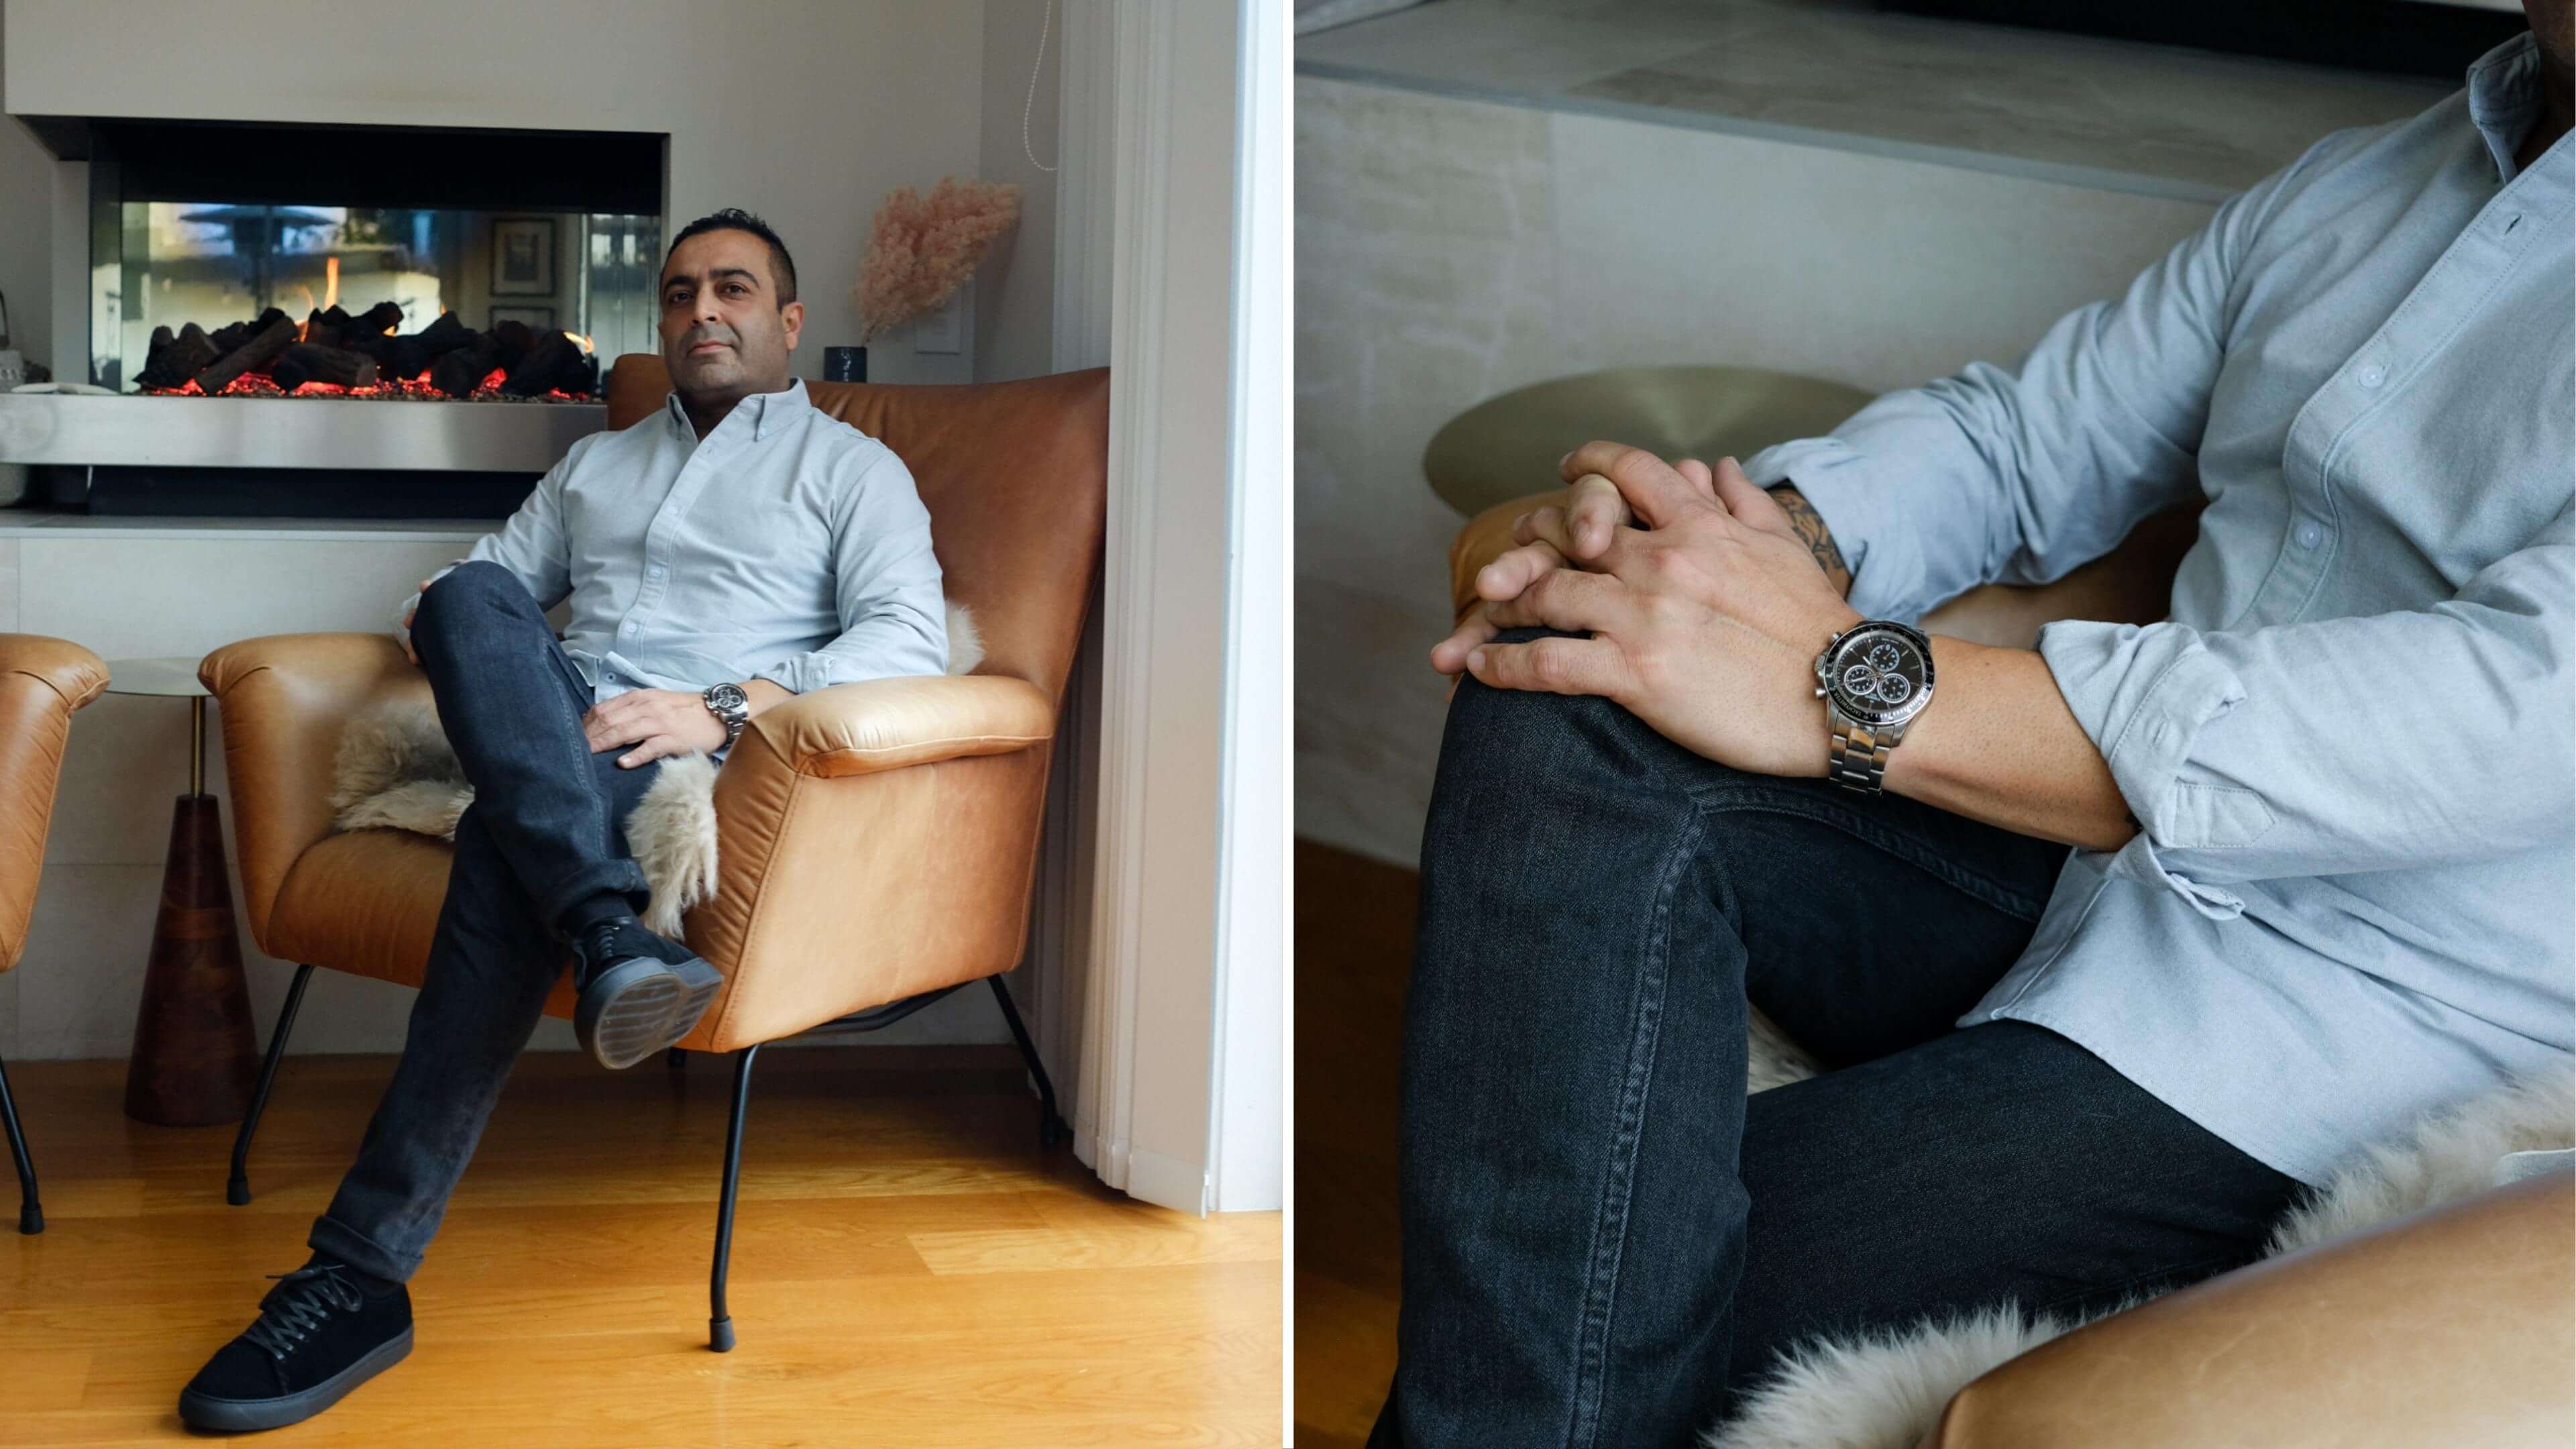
(1704, 617)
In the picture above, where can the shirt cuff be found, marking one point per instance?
(1836, 479)
(2143, 694)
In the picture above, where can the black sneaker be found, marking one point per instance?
(322, 1331)
(640, 992)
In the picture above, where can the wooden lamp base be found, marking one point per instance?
(195, 1054)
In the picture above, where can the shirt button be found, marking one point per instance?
(2371, 376)
(2311, 534)
(626, 628)
(654, 572)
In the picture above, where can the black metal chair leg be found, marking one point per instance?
(31, 1213)
(1051, 1128)
(237, 1188)
(720, 1322)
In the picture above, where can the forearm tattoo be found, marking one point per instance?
(1811, 528)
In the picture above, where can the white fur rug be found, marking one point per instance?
(395, 771)
(1886, 1391)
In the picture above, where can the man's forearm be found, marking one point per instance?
(1998, 744)
(1811, 529)
(761, 694)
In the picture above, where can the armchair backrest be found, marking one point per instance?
(41, 682)
(1016, 478)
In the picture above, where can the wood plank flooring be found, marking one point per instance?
(908, 1267)
(1354, 954)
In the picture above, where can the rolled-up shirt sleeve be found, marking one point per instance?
(1996, 476)
(2332, 746)
(894, 620)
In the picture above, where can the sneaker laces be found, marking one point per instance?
(597, 946)
(300, 1303)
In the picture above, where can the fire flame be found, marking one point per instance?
(331, 284)
(308, 313)
(584, 341)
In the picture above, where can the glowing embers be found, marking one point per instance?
(332, 354)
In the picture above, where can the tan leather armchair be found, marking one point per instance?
(41, 682)
(2453, 1327)
(877, 842)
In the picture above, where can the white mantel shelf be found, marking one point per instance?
(28, 524)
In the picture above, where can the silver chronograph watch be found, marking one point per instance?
(728, 703)
(1874, 677)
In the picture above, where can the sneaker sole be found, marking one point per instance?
(639, 1007)
(242, 1416)
(625, 1015)
(702, 982)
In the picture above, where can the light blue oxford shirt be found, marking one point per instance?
(785, 545)
(2349, 744)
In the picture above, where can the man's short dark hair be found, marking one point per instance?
(782, 267)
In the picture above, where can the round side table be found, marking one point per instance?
(195, 1055)
(1506, 447)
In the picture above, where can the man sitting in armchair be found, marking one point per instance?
(738, 550)
(2320, 816)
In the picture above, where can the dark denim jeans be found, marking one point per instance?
(542, 836)
(1604, 1239)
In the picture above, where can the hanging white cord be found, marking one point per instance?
(1029, 106)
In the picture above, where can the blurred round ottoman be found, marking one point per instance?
(1506, 447)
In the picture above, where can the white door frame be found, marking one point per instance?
(1181, 1096)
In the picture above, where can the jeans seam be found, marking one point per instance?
(1904, 847)
(1610, 1223)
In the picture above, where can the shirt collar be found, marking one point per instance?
(2504, 98)
(768, 411)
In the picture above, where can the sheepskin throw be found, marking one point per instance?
(395, 771)
(1887, 1391)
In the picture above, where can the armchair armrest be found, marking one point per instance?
(886, 724)
(41, 682)
(874, 840)
(283, 700)
(2453, 1326)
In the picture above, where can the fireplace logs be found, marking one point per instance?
(258, 352)
(306, 362)
(332, 353)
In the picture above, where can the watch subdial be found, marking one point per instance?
(1860, 680)
(1893, 689)
(1883, 656)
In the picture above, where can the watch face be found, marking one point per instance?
(1879, 675)
(726, 696)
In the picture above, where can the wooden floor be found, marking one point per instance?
(908, 1267)
(1354, 953)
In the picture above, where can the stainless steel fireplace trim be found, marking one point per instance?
(240, 432)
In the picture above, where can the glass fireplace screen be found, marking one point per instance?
(278, 258)
(392, 271)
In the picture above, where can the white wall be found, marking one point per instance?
(1449, 250)
(26, 235)
(1015, 292)
(807, 114)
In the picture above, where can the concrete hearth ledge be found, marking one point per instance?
(2112, 115)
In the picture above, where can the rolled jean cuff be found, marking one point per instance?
(360, 1251)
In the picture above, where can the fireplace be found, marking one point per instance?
(372, 321)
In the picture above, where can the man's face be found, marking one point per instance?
(2553, 24)
(724, 336)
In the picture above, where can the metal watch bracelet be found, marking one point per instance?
(1858, 761)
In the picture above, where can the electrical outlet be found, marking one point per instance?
(943, 328)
